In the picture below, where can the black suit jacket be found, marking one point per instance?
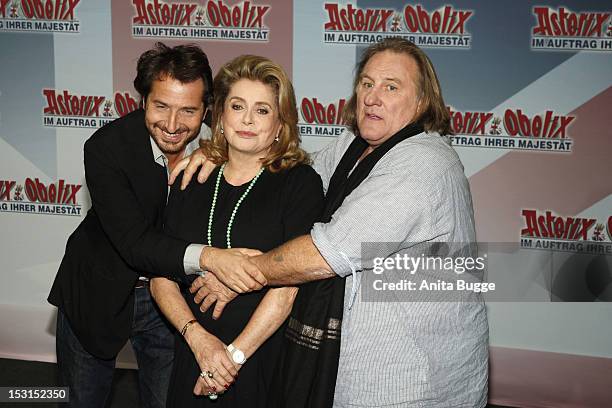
(119, 239)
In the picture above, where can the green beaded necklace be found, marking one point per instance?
(234, 211)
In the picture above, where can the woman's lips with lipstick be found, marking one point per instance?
(245, 133)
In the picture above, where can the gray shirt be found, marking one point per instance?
(398, 353)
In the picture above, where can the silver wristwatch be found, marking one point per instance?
(237, 354)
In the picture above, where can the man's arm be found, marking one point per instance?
(302, 202)
(296, 261)
(234, 268)
(118, 208)
(141, 245)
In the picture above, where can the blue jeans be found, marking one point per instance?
(90, 378)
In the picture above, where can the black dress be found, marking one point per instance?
(280, 206)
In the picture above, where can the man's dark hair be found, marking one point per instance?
(185, 63)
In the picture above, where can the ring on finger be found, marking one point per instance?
(212, 395)
(206, 374)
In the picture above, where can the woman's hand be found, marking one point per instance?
(190, 165)
(212, 357)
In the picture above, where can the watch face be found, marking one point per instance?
(238, 357)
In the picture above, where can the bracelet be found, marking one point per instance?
(186, 326)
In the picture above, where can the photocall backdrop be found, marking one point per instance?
(528, 85)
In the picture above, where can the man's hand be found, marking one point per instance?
(210, 290)
(233, 268)
(191, 164)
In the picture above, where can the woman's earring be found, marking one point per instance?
(276, 139)
(222, 131)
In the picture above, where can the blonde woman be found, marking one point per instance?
(262, 194)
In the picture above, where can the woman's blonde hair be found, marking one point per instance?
(286, 152)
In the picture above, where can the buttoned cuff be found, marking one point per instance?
(191, 259)
(339, 262)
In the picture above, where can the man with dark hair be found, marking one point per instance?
(183, 63)
(101, 288)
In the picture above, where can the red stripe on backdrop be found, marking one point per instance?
(564, 183)
(529, 379)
